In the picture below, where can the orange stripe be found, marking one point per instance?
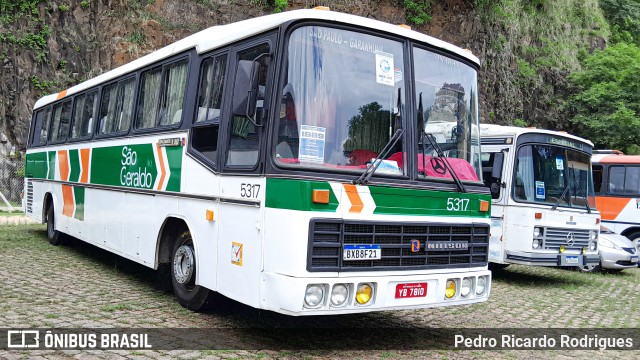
(84, 158)
(67, 198)
(162, 170)
(620, 159)
(63, 164)
(610, 207)
(62, 94)
(354, 197)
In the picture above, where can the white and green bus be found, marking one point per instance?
(280, 161)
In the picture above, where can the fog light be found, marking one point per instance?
(481, 286)
(562, 248)
(536, 243)
(450, 291)
(314, 295)
(364, 293)
(465, 288)
(339, 294)
(536, 232)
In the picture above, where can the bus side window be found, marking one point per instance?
(204, 138)
(632, 180)
(597, 178)
(616, 179)
(244, 140)
(116, 107)
(488, 163)
(61, 119)
(40, 127)
(162, 95)
(83, 115)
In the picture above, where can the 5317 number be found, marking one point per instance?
(249, 190)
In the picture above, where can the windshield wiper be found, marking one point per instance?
(454, 176)
(368, 173)
(561, 197)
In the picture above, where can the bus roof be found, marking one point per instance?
(221, 35)
(501, 130)
(615, 159)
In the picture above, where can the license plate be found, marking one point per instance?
(411, 290)
(634, 259)
(571, 260)
(361, 252)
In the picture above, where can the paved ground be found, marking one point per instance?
(79, 285)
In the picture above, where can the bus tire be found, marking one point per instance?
(183, 275)
(635, 239)
(55, 237)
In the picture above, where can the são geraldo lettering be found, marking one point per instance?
(137, 178)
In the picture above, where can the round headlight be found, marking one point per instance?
(481, 286)
(364, 294)
(450, 290)
(339, 295)
(594, 235)
(465, 288)
(593, 245)
(536, 232)
(314, 295)
(536, 243)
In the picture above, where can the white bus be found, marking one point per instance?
(543, 209)
(275, 161)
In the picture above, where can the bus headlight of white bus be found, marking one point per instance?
(481, 285)
(537, 232)
(364, 294)
(466, 287)
(314, 295)
(339, 294)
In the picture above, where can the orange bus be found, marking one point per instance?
(616, 179)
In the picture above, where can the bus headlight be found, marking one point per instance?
(536, 243)
(450, 290)
(481, 285)
(594, 235)
(537, 231)
(314, 295)
(339, 294)
(465, 287)
(364, 294)
(593, 245)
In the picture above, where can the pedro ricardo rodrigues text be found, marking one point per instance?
(506, 341)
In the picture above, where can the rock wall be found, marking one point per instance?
(88, 37)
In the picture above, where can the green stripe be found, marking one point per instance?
(296, 195)
(36, 165)
(400, 201)
(52, 165)
(74, 164)
(174, 158)
(78, 194)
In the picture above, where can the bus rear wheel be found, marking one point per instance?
(183, 275)
(55, 237)
(635, 239)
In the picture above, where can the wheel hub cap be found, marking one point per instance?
(184, 264)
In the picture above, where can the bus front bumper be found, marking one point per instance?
(286, 294)
(551, 259)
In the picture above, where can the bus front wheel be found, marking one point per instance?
(183, 275)
(55, 237)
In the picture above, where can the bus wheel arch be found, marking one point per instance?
(632, 233)
(178, 266)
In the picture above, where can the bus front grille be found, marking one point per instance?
(441, 245)
(572, 239)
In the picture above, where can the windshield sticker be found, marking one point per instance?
(312, 139)
(397, 75)
(559, 163)
(384, 68)
(540, 193)
(387, 167)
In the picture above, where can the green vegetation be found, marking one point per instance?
(41, 84)
(84, 4)
(280, 5)
(418, 11)
(607, 101)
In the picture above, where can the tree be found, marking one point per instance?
(606, 105)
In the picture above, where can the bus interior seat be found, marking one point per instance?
(361, 156)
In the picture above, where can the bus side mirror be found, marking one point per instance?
(496, 170)
(245, 88)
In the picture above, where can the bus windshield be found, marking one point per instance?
(343, 98)
(446, 98)
(547, 174)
